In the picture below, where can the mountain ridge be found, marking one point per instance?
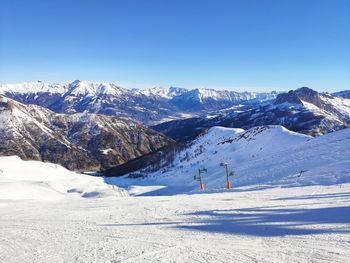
(147, 106)
(303, 110)
(79, 141)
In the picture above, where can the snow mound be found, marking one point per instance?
(21, 180)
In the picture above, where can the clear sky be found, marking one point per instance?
(238, 44)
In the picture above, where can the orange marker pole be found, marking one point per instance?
(228, 184)
(201, 185)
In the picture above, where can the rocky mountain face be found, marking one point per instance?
(303, 110)
(79, 141)
(147, 106)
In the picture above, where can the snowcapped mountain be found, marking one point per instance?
(264, 155)
(210, 99)
(33, 87)
(303, 110)
(86, 88)
(77, 88)
(147, 106)
(344, 94)
(84, 96)
(163, 92)
(79, 141)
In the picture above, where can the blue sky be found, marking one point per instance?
(237, 44)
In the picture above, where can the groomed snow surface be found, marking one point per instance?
(271, 214)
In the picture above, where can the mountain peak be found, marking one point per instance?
(289, 97)
(75, 82)
(309, 95)
(167, 92)
(88, 88)
(298, 96)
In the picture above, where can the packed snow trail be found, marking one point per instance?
(301, 224)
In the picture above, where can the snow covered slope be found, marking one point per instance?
(46, 181)
(45, 219)
(265, 155)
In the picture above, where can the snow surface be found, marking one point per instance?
(21, 180)
(271, 214)
(303, 224)
(267, 155)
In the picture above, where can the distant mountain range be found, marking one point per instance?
(147, 106)
(96, 126)
(79, 141)
(303, 110)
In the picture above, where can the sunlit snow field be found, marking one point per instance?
(271, 214)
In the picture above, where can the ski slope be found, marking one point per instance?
(307, 224)
(49, 214)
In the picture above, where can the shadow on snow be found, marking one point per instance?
(341, 195)
(264, 222)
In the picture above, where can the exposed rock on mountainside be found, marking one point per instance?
(303, 110)
(78, 141)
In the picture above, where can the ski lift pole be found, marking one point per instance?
(201, 185)
(228, 174)
(200, 178)
(227, 177)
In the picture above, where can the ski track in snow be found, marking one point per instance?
(301, 224)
